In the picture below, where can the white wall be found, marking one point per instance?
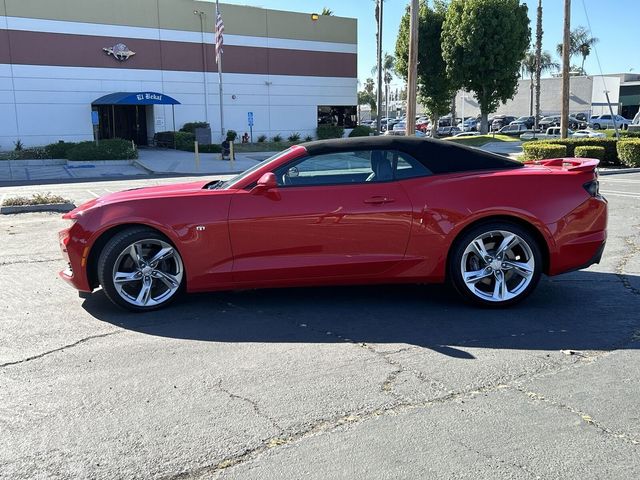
(54, 103)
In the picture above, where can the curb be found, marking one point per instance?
(48, 207)
(143, 167)
(618, 171)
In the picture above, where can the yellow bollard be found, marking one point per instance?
(197, 152)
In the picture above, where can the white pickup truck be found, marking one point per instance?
(552, 132)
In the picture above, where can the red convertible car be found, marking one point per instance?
(355, 211)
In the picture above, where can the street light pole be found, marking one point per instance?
(379, 92)
(564, 119)
(412, 83)
(204, 64)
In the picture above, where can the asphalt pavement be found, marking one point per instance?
(389, 382)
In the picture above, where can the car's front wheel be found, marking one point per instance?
(495, 264)
(140, 270)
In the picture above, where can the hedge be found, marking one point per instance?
(330, 131)
(589, 151)
(115, 149)
(59, 150)
(190, 127)
(542, 150)
(629, 152)
(609, 145)
(361, 131)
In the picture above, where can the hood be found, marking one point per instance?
(160, 191)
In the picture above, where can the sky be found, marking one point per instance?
(614, 22)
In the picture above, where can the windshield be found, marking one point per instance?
(232, 181)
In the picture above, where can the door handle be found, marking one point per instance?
(378, 200)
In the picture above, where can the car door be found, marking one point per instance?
(336, 215)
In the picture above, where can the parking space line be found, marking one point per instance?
(93, 193)
(620, 194)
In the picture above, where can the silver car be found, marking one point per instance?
(598, 122)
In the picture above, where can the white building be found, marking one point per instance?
(60, 60)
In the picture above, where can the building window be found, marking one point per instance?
(342, 116)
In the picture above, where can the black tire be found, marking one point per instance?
(596, 126)
(456, 256)
(112, 251)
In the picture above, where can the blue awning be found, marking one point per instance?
(136, 98)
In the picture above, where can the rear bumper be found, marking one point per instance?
(581, 242)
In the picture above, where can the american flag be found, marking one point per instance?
(219, 34)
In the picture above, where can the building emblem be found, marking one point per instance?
(119, 51)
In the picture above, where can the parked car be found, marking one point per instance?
(422, 124)
(554, 121)
(528, 122)
(468, 125)
(598, 122)
(551, 132)
(635, 125)
(447, 131)
(466, 134)
(588, 134)
(514, 129)
(298, 219)
(500, 121)
(401, 125)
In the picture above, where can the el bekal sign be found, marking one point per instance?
(149, 96)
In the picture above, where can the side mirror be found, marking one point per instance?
(267, 182)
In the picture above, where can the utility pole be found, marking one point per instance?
(564, 118)
(538, 63)
(379, 92)
(412, 79)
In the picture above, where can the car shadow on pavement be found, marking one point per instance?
(578, 311)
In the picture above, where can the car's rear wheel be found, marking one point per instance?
(140, 270)
(495, 264)
(596, 126)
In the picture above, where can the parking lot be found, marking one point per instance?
(389, 382)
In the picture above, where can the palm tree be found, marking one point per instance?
(528, 67)
(388, 70)
(580, 43)
(327, 11)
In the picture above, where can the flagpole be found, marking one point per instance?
(219, 62)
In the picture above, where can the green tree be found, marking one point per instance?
(327, 11)
(435, 88)
(367, 95)
(580, 43)
(485, 43)
(388, 70)
(528, 66)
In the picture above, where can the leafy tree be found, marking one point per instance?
(367, 95)
(485, 43)
(528, 67)
(435, 88)
(580, 43)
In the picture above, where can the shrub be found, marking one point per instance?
(609, 144)
(629, 152)
(294, 137)
(329, 131)
(232, 135)
(59, 150)
(262, 138)
(542, 150)
(190, 127)
(115, 149)
(184, 141)
(33, 153)
(361, 131)
(308, 138)
(276, 138)
(36, 199)
(19, 146)
(589, 151)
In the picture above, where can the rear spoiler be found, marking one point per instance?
(571, 164)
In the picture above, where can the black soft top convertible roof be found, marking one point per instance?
(437, 155)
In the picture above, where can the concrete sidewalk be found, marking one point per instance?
(175, 161)
(150, 162)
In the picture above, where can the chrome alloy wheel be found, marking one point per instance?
(148, 273)
(497, 266)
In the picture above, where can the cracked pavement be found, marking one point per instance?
(361, 382)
